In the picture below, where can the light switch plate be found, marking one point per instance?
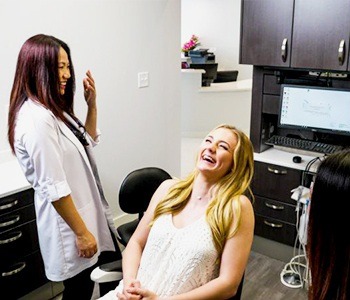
(142, 79)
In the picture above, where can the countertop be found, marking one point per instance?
(12, 179)
(232, 86)
(243, 85)
(285, 159)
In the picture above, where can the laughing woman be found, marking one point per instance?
(194, 240)
(54, 150)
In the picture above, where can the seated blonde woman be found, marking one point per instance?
(195, 237)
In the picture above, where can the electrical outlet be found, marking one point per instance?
(142, 79)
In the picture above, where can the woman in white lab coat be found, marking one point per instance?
(54, 151)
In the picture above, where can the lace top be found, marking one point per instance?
(178, 260)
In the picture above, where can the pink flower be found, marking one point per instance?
(191, 44)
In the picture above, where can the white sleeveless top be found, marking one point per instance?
(176, 260)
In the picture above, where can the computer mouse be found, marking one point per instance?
(297, 159)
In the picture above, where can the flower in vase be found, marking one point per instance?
(191, 44)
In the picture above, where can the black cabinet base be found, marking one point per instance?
(28, 274)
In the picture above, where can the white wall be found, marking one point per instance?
(217, 24)
(115, 39)
(203, 109)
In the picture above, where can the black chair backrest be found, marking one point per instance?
(138, 187)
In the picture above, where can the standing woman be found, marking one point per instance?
(54, 150)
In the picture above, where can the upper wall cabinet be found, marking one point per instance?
(321, 34)
(266, 31)
(319, 30)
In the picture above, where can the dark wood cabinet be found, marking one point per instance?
(265, 105)
(321, 34)
(300, 34)
(294, 42)
(21, 265)
(266, 32)
(275, 211)
(275, 215)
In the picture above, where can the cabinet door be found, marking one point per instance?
(266, 30)
(321, 34)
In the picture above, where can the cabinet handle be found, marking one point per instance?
(284, 49)
(21, 266)
(275, 207)
(15, 237)
(10, 222)
(341, 52)
(273, 224)
(276, 171)
(8, 205)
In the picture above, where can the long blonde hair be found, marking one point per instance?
(228, 189)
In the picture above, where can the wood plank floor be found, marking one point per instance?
(262, 281)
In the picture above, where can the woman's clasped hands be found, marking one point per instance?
(133, 291)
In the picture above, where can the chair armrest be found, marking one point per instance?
(112, 266)
(108, 272)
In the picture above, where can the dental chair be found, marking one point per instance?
(135, 193)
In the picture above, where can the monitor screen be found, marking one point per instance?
(312, 108)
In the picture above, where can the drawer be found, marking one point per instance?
(271, 86)
(23, 276)
(18, 242)
(270, 104)
(275, 182)
(16, 217)
(276, 230)
(16, 201)
(275, 209)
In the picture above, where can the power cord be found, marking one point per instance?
(292, 275)
(295, 274)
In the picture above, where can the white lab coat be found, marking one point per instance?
(56, 165)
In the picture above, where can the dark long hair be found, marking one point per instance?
(328, 246)
(36, 77)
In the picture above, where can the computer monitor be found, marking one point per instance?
(210, 74)
(318, 109)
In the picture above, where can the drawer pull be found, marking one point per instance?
(10, 222)
(273, 224)
(276, 171)
(284, 49)
(341, 52)
(275, 207)
(8, 205)
(15, 237)
(21, 266)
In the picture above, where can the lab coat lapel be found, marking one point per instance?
(70, 135)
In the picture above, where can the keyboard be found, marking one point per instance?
(305, 145)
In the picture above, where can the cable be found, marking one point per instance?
(291, 275)
(308, 167)
(295, 274)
